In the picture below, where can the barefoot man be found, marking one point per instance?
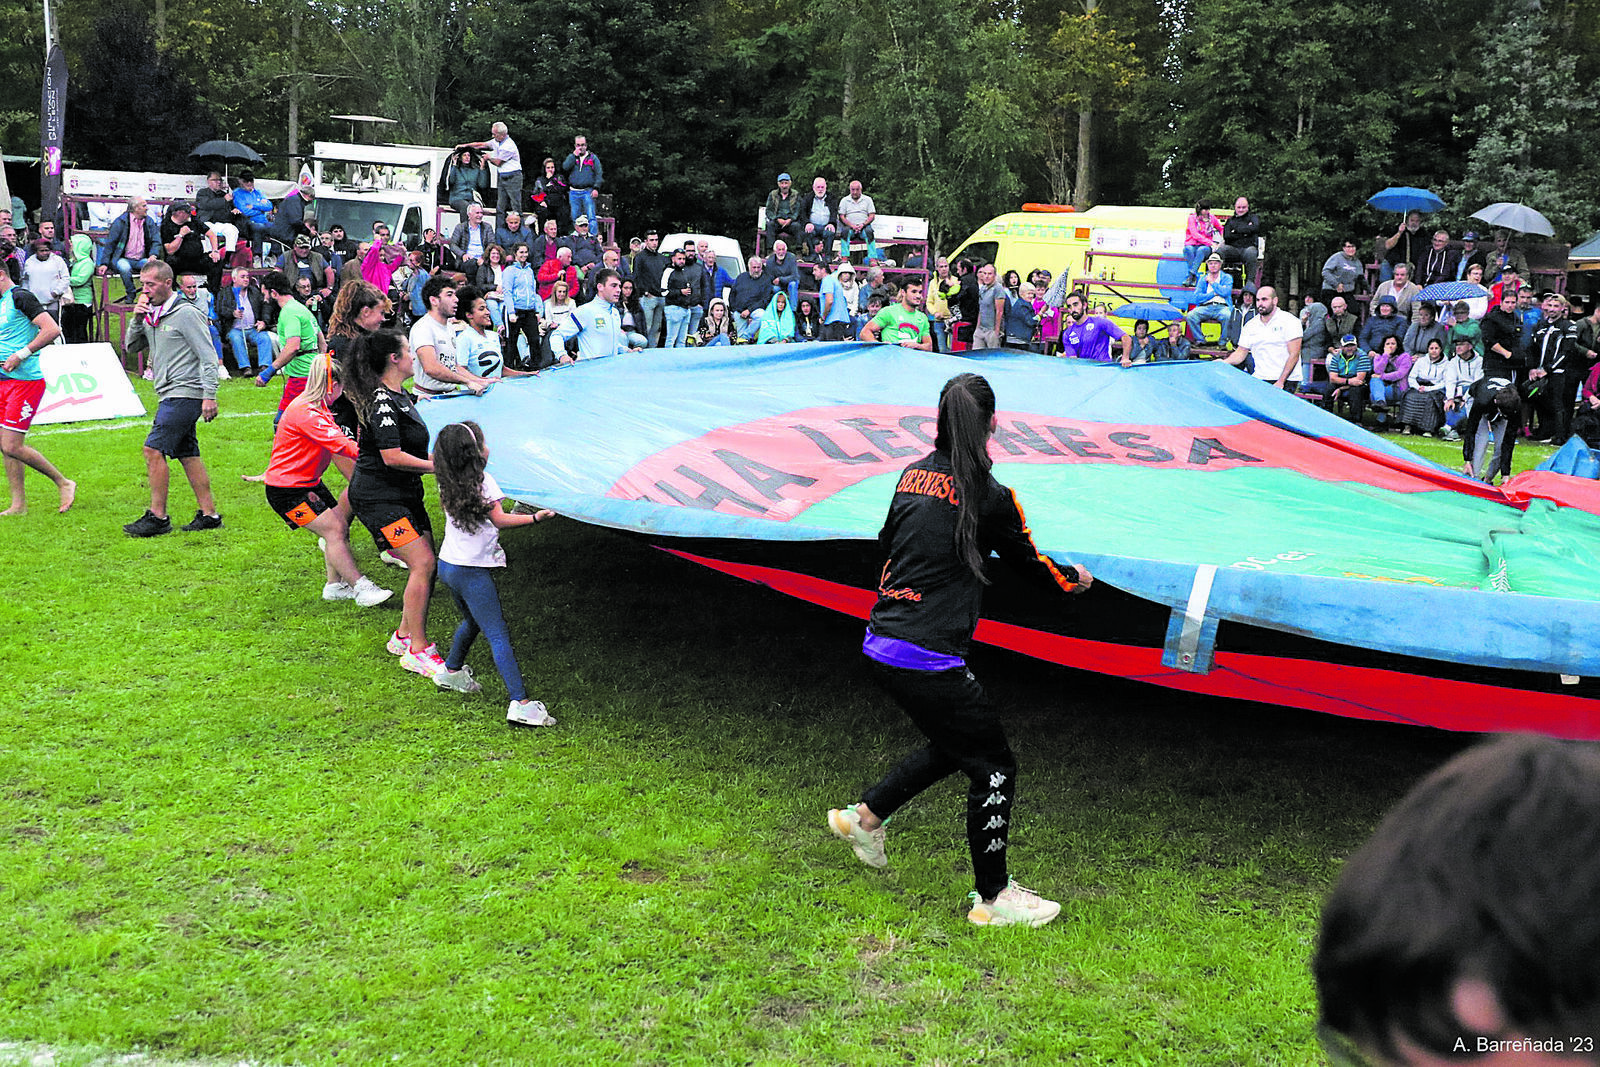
(25, 328)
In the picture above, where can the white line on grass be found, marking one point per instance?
(16, 1054)
(50, 430)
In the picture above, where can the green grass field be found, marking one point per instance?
(234, 828)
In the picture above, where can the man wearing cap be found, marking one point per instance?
(303, 261)
(586, 250)
(190, 248)
(45, 275)
(751, 292)
(783, 212)
(1213, 298)
(1348, 371)
(1470, 254)
(133, 241)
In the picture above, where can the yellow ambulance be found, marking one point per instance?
(1116, 255)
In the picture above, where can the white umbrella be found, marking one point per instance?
(1516, 217)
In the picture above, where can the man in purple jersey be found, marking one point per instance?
(1085, 336)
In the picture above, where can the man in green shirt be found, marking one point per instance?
(904, 323)
(298, 339)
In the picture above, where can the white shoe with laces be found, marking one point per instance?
(397, 645)
(367, 593)
(338, 591)
(866, 844)
(528, 713)
(461, 681)
(426, 662)
(1014, 905)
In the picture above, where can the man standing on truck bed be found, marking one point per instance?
(506, 158)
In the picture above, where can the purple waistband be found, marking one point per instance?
(893, 652)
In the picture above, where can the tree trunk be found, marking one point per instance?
(1084, 193)
(294, 93)
(161, 21)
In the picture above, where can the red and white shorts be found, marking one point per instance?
(19, 403)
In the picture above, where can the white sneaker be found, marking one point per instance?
(528, 713)
(393, 560)
(427, 662)
(1013, 906)
(867, 844)
(396, 645)
(461, 681)
(367, 593)
(338, 591)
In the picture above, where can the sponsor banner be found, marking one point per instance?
(85, 383)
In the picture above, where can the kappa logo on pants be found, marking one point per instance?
(27, 410)
(996, 780)
(995, 845)
(400, 533)
(995, 798)
(995, 822)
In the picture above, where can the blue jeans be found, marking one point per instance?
(1219, 313)
(940, 342)
(748, 328)
(472, 589)
(497, 313)
(1194, 257)
(127, 268)
(1383, 392)
(239, 341)
(651, 306)
(678, 324)
(581, 201)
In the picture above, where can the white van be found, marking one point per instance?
(401, 186)
(729, 255)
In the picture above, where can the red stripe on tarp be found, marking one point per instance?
(1331, 688)
(1563, 489)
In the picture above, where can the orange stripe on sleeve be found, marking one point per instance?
(1061, 579)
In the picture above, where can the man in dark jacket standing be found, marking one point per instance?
(584, 177)
(683, 286)
(649, 267)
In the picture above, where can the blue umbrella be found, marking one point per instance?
(1405, 198)
(1148, 312)
(1450, 292)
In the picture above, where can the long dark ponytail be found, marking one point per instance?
(369, 358)
(966, 408)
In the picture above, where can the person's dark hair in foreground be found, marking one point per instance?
(1467, 929)
(947, 516)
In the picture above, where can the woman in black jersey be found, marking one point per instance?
(948, 514)
(359, 309)
(386, 488)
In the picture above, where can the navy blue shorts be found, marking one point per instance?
(173, 433)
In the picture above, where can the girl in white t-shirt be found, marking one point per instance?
(471, 550)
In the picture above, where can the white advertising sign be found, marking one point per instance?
(84, 383)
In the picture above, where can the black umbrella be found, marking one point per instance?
(227, 151)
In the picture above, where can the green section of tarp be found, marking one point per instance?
(1251, 518)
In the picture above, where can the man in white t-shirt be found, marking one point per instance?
(503, 154)
(1273, 338)
(433, 344)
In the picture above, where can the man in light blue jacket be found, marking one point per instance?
(598, 324)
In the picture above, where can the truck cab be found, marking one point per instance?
(402, 186)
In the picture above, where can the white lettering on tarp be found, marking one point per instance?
(1260, 563)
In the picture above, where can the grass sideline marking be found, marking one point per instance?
(18, 1054)
(51, 431)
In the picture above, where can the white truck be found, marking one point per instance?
(402, 186)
